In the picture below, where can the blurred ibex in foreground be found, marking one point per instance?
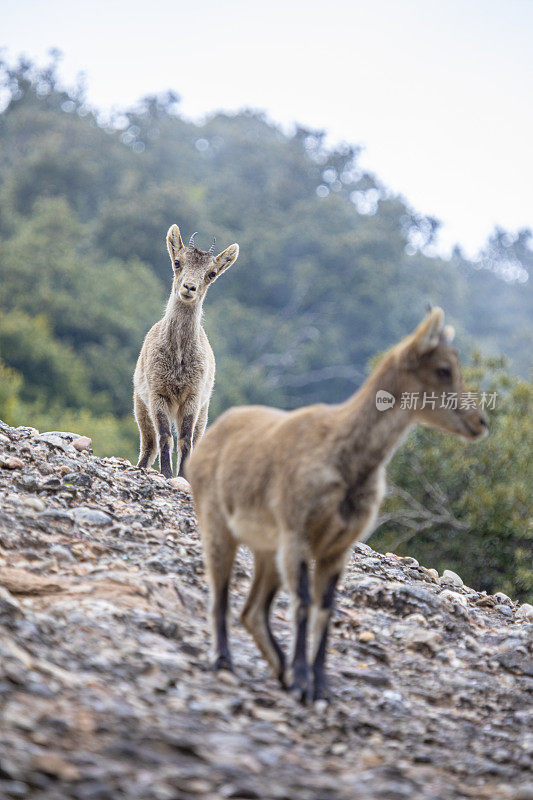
(304, 485)
(175, 370)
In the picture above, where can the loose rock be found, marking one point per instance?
(503, 598)
(91, 516)
(181, 484)
(11, 462)
(525, 611)
(450, 578)
(34, 502)
(83, 443)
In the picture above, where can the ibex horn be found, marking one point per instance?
(191, 240)
(212, 248)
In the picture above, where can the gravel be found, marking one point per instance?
(106, 691)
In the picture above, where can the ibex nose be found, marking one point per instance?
(190, 287)
(483, 419)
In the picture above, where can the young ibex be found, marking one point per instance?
(175, 370)
(306, 484)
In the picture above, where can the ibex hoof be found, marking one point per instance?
(322, 693)
(223, 662)
(300, 688)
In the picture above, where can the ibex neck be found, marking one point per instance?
(369, 436)
(183, 321)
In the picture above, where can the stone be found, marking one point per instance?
(91, 516)
(54, 764)
(62, 554)
(83, 443)
(362, 547)
(503, 598)
(417, 619)
(28, 429)
(28, 483)
(35, 503)
(374, 677)
(454, 597)
(422, 639)
(66, 435)
(504, 609)
(516, 659)
(11, 462)
(181, 484)
(55, 440)
(366, 636)
(433, 573)
(56, 515)
(78, 479)
(52, 484)
(409, 561)
(525, 611)
(450, 578)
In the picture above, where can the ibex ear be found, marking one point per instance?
(174, 241)
(226, 258)
(426, 336)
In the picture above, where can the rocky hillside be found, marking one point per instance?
(105, 686)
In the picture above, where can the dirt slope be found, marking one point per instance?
(105, 686)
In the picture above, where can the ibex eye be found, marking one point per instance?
(212, 275)
(444, 372)
(176, 263)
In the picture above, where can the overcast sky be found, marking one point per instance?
(439, 92)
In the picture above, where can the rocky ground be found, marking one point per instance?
(106, 690)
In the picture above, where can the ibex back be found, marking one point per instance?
(304, 485)
(175, 370)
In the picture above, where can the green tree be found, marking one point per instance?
(468, 506)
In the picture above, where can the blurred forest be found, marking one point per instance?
(333, 269)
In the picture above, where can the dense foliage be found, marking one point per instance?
(469, 504)
(333, 269)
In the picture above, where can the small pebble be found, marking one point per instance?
(28, 429)
(409, 561)
(181, 484)
(503, 609)
(454, 597)
(91, 516)
(62, 554)
(34, 502)
(11, 462)
(339, 748)
(417, 619)
(503, 598)
(366, 636)
(525, 612)
(83, 443)
(450, 578)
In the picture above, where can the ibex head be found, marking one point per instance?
(429, 367)
(195, 269)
